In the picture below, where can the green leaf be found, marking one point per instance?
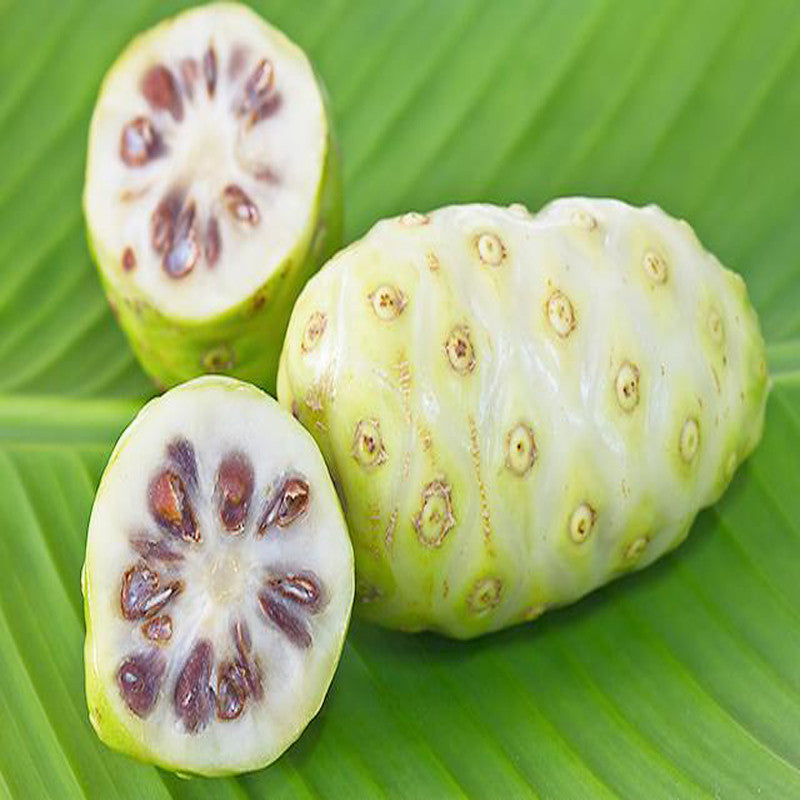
(681, 681)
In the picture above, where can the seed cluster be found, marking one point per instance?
(205, 685)
(181, 234)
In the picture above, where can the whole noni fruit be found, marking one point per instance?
(518, 408)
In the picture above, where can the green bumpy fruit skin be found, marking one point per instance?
(518, 408)
(243, 342)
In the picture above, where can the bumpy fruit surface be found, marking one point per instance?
(218, 582)
(518, 408)
(212, 192)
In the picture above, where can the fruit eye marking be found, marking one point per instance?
(459, 350)
(655, 267)
(435, 518)
(583, 219)
(581, 523)
(491, 249)
(414, 218)
(560, 314)
(715, 327)
(313, 331)
(368, 447)
(521, 451)
(633, 552)
(387, 302)
(520, 210)
(485, 595)
(689, 439)
(627, 386)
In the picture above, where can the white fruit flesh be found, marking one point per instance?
(221, 576)
(534, 405)
(206, 146)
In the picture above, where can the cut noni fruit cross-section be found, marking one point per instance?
(218, 582)
(212, 191)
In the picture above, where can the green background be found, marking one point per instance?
(682, 681)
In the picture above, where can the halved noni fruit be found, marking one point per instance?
(218, 582)
(518, 408)
(212, 192)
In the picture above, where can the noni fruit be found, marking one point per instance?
(218, 582)
(518, 408)
(212, 192)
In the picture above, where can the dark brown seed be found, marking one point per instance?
(128, 259)
(152, 550)
(258, 100)
(181, 454)
(252, 671)
(142, 595)
(189, 73)
(210, 69)
(158, 629)
(288, 503)
(252, 675)
(161, 90)
(301, 588)
(182, 256)
(236, 62)
(291, 625)
(139, 584)
(266, 174)
(170, 506)
(235, 488)
(261, 79)
(162, 222)
(239, 204)
(269, 107)
(231, 690)
(194, 697)
(241, 635)
(139, 142)
(139, 679)
(213, 241)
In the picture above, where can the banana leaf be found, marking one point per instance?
(680, 681)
